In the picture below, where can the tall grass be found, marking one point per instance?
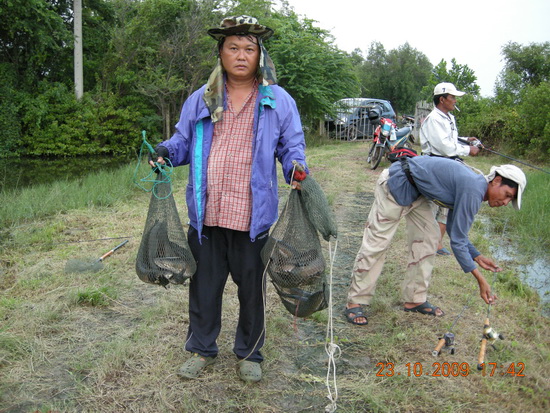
(530, 226)
(532, 222)
(98, 189)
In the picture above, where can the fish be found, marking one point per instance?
(163, 261)
(301, 303)
(290, 267)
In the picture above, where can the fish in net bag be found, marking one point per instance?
(293, 255)
(164, 255)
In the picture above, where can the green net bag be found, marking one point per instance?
(164, 255)
(317, 208)
(293, 255)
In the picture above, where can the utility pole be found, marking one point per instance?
(78, 71)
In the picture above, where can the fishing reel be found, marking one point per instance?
(471, 142)
(489, 336)
(477, 143)
(447, 343)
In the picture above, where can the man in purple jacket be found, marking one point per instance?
(231, 131)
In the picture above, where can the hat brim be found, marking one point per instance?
(257, 30)
(516, 203)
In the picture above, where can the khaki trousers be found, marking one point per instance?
(440, 213)
(422, 236)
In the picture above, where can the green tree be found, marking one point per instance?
(36, 53)
(408, 70)
(397, 75)
(314, 71)
(524, 66)
(10, 103)
(534, 124)
(372, 72)
(461, 76)
(519, 114)
(98, 20)
(160, 49)
(260, 9)
(33, 35)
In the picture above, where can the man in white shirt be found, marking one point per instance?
(439, 137)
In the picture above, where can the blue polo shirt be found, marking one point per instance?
(448, 183)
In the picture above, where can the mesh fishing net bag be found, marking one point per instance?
(317, 208)
(293, 255)
(164, 255)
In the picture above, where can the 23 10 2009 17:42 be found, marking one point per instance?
(445, 369)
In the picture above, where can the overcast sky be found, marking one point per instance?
(471, 31)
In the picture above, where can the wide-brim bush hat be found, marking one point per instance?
(240, 25)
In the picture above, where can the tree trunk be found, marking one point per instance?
(78, 71)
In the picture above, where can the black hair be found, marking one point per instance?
(508, 182)
(438, 97)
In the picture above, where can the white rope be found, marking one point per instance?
(333, 350)
(264, 282)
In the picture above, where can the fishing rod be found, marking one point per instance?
(111, 252)
(489, 336)
(97, 239)
(447, 341)
(78, 265)
(478, 143)
(516, 160)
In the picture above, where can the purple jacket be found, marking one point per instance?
(278, 135)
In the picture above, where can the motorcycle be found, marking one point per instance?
(387, 139)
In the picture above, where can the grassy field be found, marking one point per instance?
(106, 342)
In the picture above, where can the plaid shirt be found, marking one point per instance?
(229, 198)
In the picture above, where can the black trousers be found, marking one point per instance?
(222, 252)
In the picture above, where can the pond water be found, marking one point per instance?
(20, 173)
(536, 274)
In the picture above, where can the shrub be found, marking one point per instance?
(533, 128)
(10, 124)
(56, 124)
(519, 130)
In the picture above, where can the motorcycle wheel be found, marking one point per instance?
(375, 156)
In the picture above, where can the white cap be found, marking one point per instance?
(443, 88)
(513, 173)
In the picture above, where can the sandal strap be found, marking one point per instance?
(354, 313)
